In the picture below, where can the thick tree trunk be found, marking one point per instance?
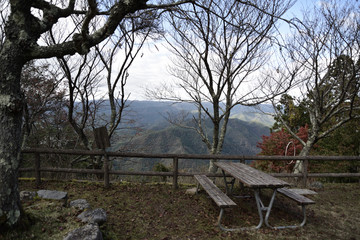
(299, 165)
(11, 104)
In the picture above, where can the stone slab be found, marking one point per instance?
(50, 194)
(88, 232)
(80, 204)
(94, 216)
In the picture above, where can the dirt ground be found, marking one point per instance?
(156, 211)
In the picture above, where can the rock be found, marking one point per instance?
(49, 194)
(90, 231)
(27, 195)
(316, 186)
(80, 204)
(191, 191)
(53, 195)
(93, 216)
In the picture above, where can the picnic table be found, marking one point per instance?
(255, 180)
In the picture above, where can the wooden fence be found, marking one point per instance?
(106, 172)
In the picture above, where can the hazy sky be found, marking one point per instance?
(151, 69)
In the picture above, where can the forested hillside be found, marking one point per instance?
(241, 139)
(149, 114)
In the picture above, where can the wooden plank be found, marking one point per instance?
(260, 177)
(256, 177)
(220, 198)
(205, 157)
(302, 191)
(251, 177)
(300, 199)
(101, 138)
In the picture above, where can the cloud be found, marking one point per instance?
(148, 69)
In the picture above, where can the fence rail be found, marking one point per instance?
(175, 157)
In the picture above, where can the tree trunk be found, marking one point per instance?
(11, 105)
(299, 165)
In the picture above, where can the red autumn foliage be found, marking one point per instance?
(278, 144)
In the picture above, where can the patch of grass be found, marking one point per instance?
(156, 211)
(44, 219)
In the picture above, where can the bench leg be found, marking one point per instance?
(292, 226)
(222, 210)
(262, 208)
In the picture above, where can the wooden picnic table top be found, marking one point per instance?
(251, 177)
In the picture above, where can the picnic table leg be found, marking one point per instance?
(291, 226)
(231, 183)
(261, 207)
(269, 208)
(222, 210)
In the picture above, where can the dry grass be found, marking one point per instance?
(156, 211)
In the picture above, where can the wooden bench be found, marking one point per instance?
(300, 200)
(219, 197)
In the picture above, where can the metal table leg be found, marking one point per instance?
(231, 229)
(227, 183)
(261, 207)
(290, 226)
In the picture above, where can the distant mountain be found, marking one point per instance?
(245, 128)
(150, 114)
(242, 138)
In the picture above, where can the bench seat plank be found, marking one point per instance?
(303, 191)
(220, 198)
(300, 199)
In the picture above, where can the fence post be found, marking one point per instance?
(305, 171)
(37, 170)
(175, 173)
(102, 141)
(106, 171)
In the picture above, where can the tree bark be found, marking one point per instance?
(11, 105)
(22, 32)
(299, 165)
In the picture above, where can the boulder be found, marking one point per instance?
(53, 195)
(50, 194)
(90, 231)
(93, 216)
(27, 195)
(191, 191)
(80, 204)
(316, 186)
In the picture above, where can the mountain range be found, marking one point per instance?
(244, 131)
(150, 113)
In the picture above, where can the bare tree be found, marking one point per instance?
(106, 65)
(23, 28)
(44, 96)
(4, 10)
(117, 56)
(325, 48)
(217, 55)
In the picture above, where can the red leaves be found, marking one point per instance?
(280, 143)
